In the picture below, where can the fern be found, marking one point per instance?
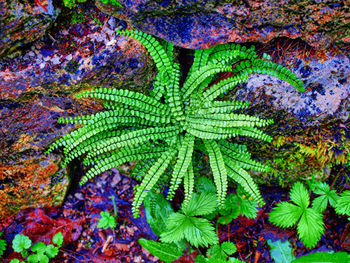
(165, 125)
(309, 221)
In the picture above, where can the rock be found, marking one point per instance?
(196, 24)
(23, 22)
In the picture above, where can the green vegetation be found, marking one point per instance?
(33, 253)
(135, 126)
(107, 220)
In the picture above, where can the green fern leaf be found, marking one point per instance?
(218, 167)
(151, 179)
(188, 185)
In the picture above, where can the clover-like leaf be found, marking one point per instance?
(51, 251)
(106, 221)
(285, 214)
(201, 204)
(20, 243)
(58, 239)
(299, 195)
(343, 204)
(39, 248)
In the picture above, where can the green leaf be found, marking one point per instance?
(343, 204)
(204, 184)
(248, 208)
(281, 252)
(39, 247)
(320, 203)
(197, 231)
(329, 257)
(58, 239)
(165, 252)
(201, 204)
(215, 252)
(228, 248)
(2, 245)
(15, 260)
(285, 214)
(299, 195)
(20, 243)
(310, 227)
(51, 251)
(158, 211)
(106, 221)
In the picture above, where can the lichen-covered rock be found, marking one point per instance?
(201, 24)
(22, 22)
(36, 89)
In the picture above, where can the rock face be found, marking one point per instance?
(201, 24)
(82, 51)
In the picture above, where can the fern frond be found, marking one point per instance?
(135, 138)
(218, 168)
(130, 98)
(111, 160)
(157, 52)
(229, 53)
(209, 132)
(223, 86)
(199, 76)
(227, 120)
(151, 179)
(188, 185)
(200, 58)
(214, 107)
(174, 97)
(242, 177)
(182, 163)
(242, 160)
(252, 132)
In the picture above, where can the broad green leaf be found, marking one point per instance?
(158, 210)
(204, 184)
(343, 204)
(281, 252)
(310, 227)
(215, 252)
(106, 221)
(51, 251)
(176, 225)
(39, 247)
(300, 195)
(201, 204)
(58, 239)
(165, 252)
(228, 248)
(328, 257)
(248, 208)
(320, 203)
(15, 260)
(285, 214)
(20, 243)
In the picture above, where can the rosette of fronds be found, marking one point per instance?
(167, 124)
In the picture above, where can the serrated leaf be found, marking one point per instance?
(310, 227)
(204, 184)
(320, 203)
(20, 243)
(343, 204)
(320, 188)
(228, 248)
(201, 204)
(329, 257)
(197, 231)
(248, 208)
(106, 221)
(159, 214)
(281, 252)
(300, 195)
(2, 245)
(38, 247)
(215, 252)
(58, 239)
(165, 252)
(285, 214)
(51, 251)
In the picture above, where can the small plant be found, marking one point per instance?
(41, 252)
(107, 220)
(2, 245)
(308, 220)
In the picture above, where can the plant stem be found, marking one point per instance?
(114, 205)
